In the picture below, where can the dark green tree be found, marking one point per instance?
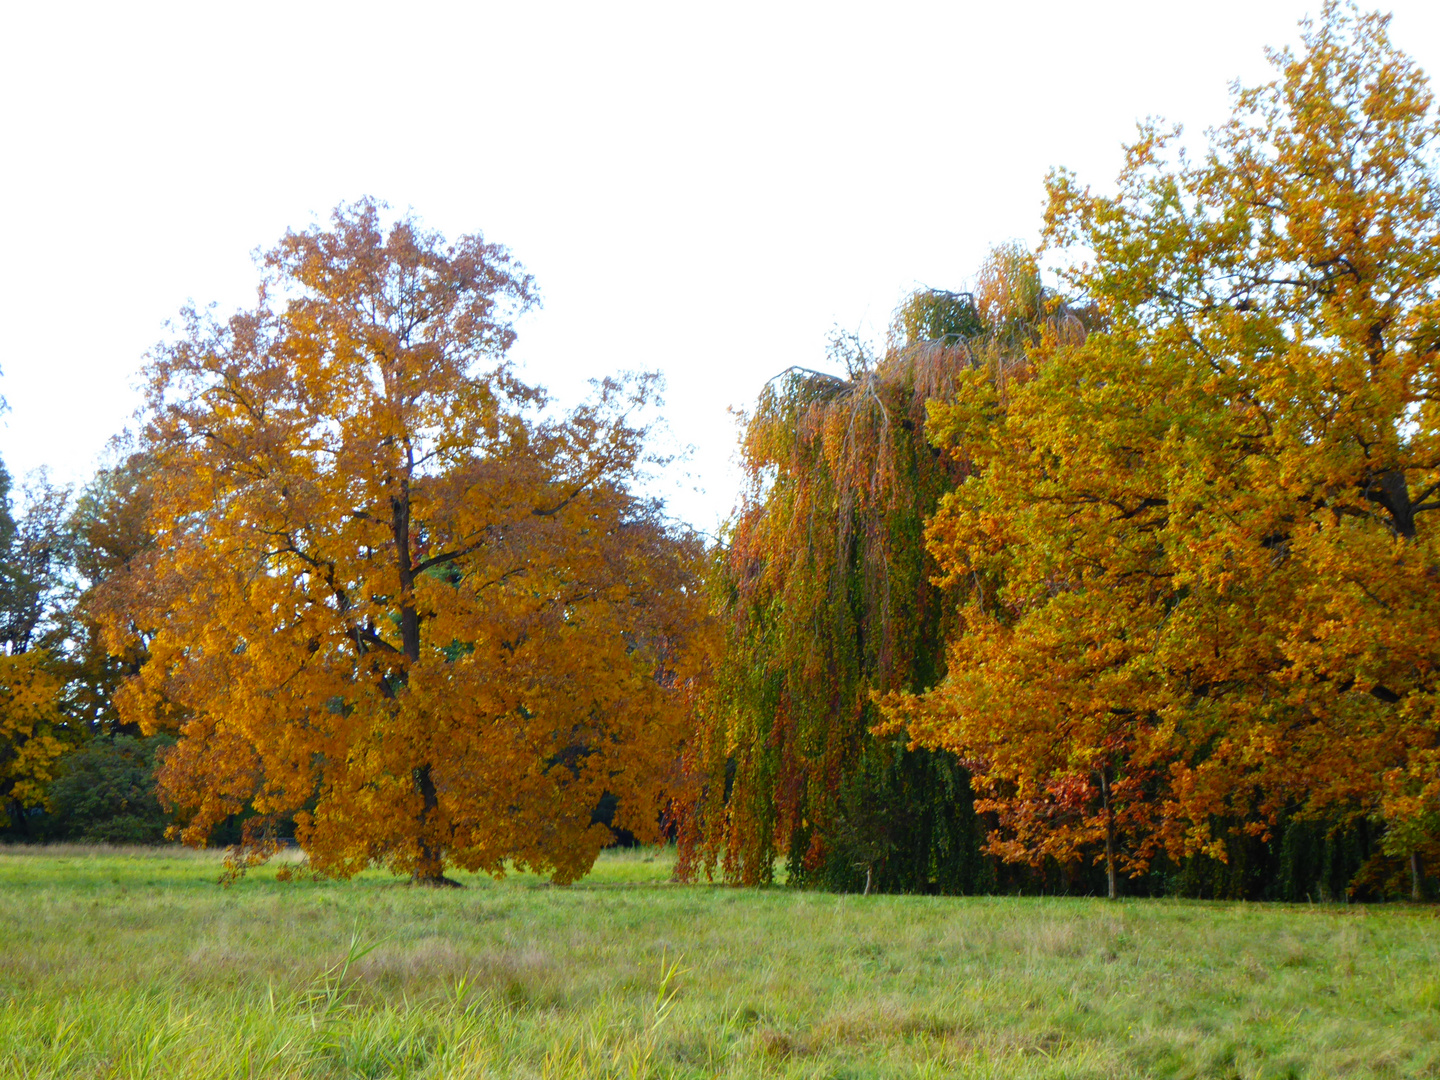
(105, 792)
(110, 537)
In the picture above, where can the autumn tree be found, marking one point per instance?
(32, 735)
(32, 739)
(35, 561)
(1208, 531)
(389, 596)
(826, 595)
(110, 542)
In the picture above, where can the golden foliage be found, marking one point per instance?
(386, 597)
(31, 737)
(1202, 541)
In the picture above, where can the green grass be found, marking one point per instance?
(135, 964)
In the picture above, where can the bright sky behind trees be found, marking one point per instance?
(703, 191)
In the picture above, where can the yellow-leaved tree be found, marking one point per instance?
(31, 731)
(387, 596)
(1205, 540)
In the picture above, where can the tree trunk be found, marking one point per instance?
(1114, 893)
(1394, 495)
(15, 810)
(409, 615)
(1417, 892)
(433, 877)
(430, 869)
(1110, 877)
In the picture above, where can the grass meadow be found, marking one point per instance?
(117, 963)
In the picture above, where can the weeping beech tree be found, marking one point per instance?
(828, 598)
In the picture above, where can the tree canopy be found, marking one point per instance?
(387, 596)
(828, 596)
(1206, 532)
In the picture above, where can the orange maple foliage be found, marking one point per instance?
(390, 599)
(1202, 542)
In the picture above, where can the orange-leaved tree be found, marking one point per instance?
(387, 596)
(1210, 529)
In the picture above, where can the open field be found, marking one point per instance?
(135, 964)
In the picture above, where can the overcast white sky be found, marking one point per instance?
(706, 190)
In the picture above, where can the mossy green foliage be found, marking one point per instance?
(826, 592)
(829, 597)
(119, 963)
(106, 792)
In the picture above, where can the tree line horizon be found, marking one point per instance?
(1128, 581)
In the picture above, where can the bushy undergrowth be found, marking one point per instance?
(119, 963)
